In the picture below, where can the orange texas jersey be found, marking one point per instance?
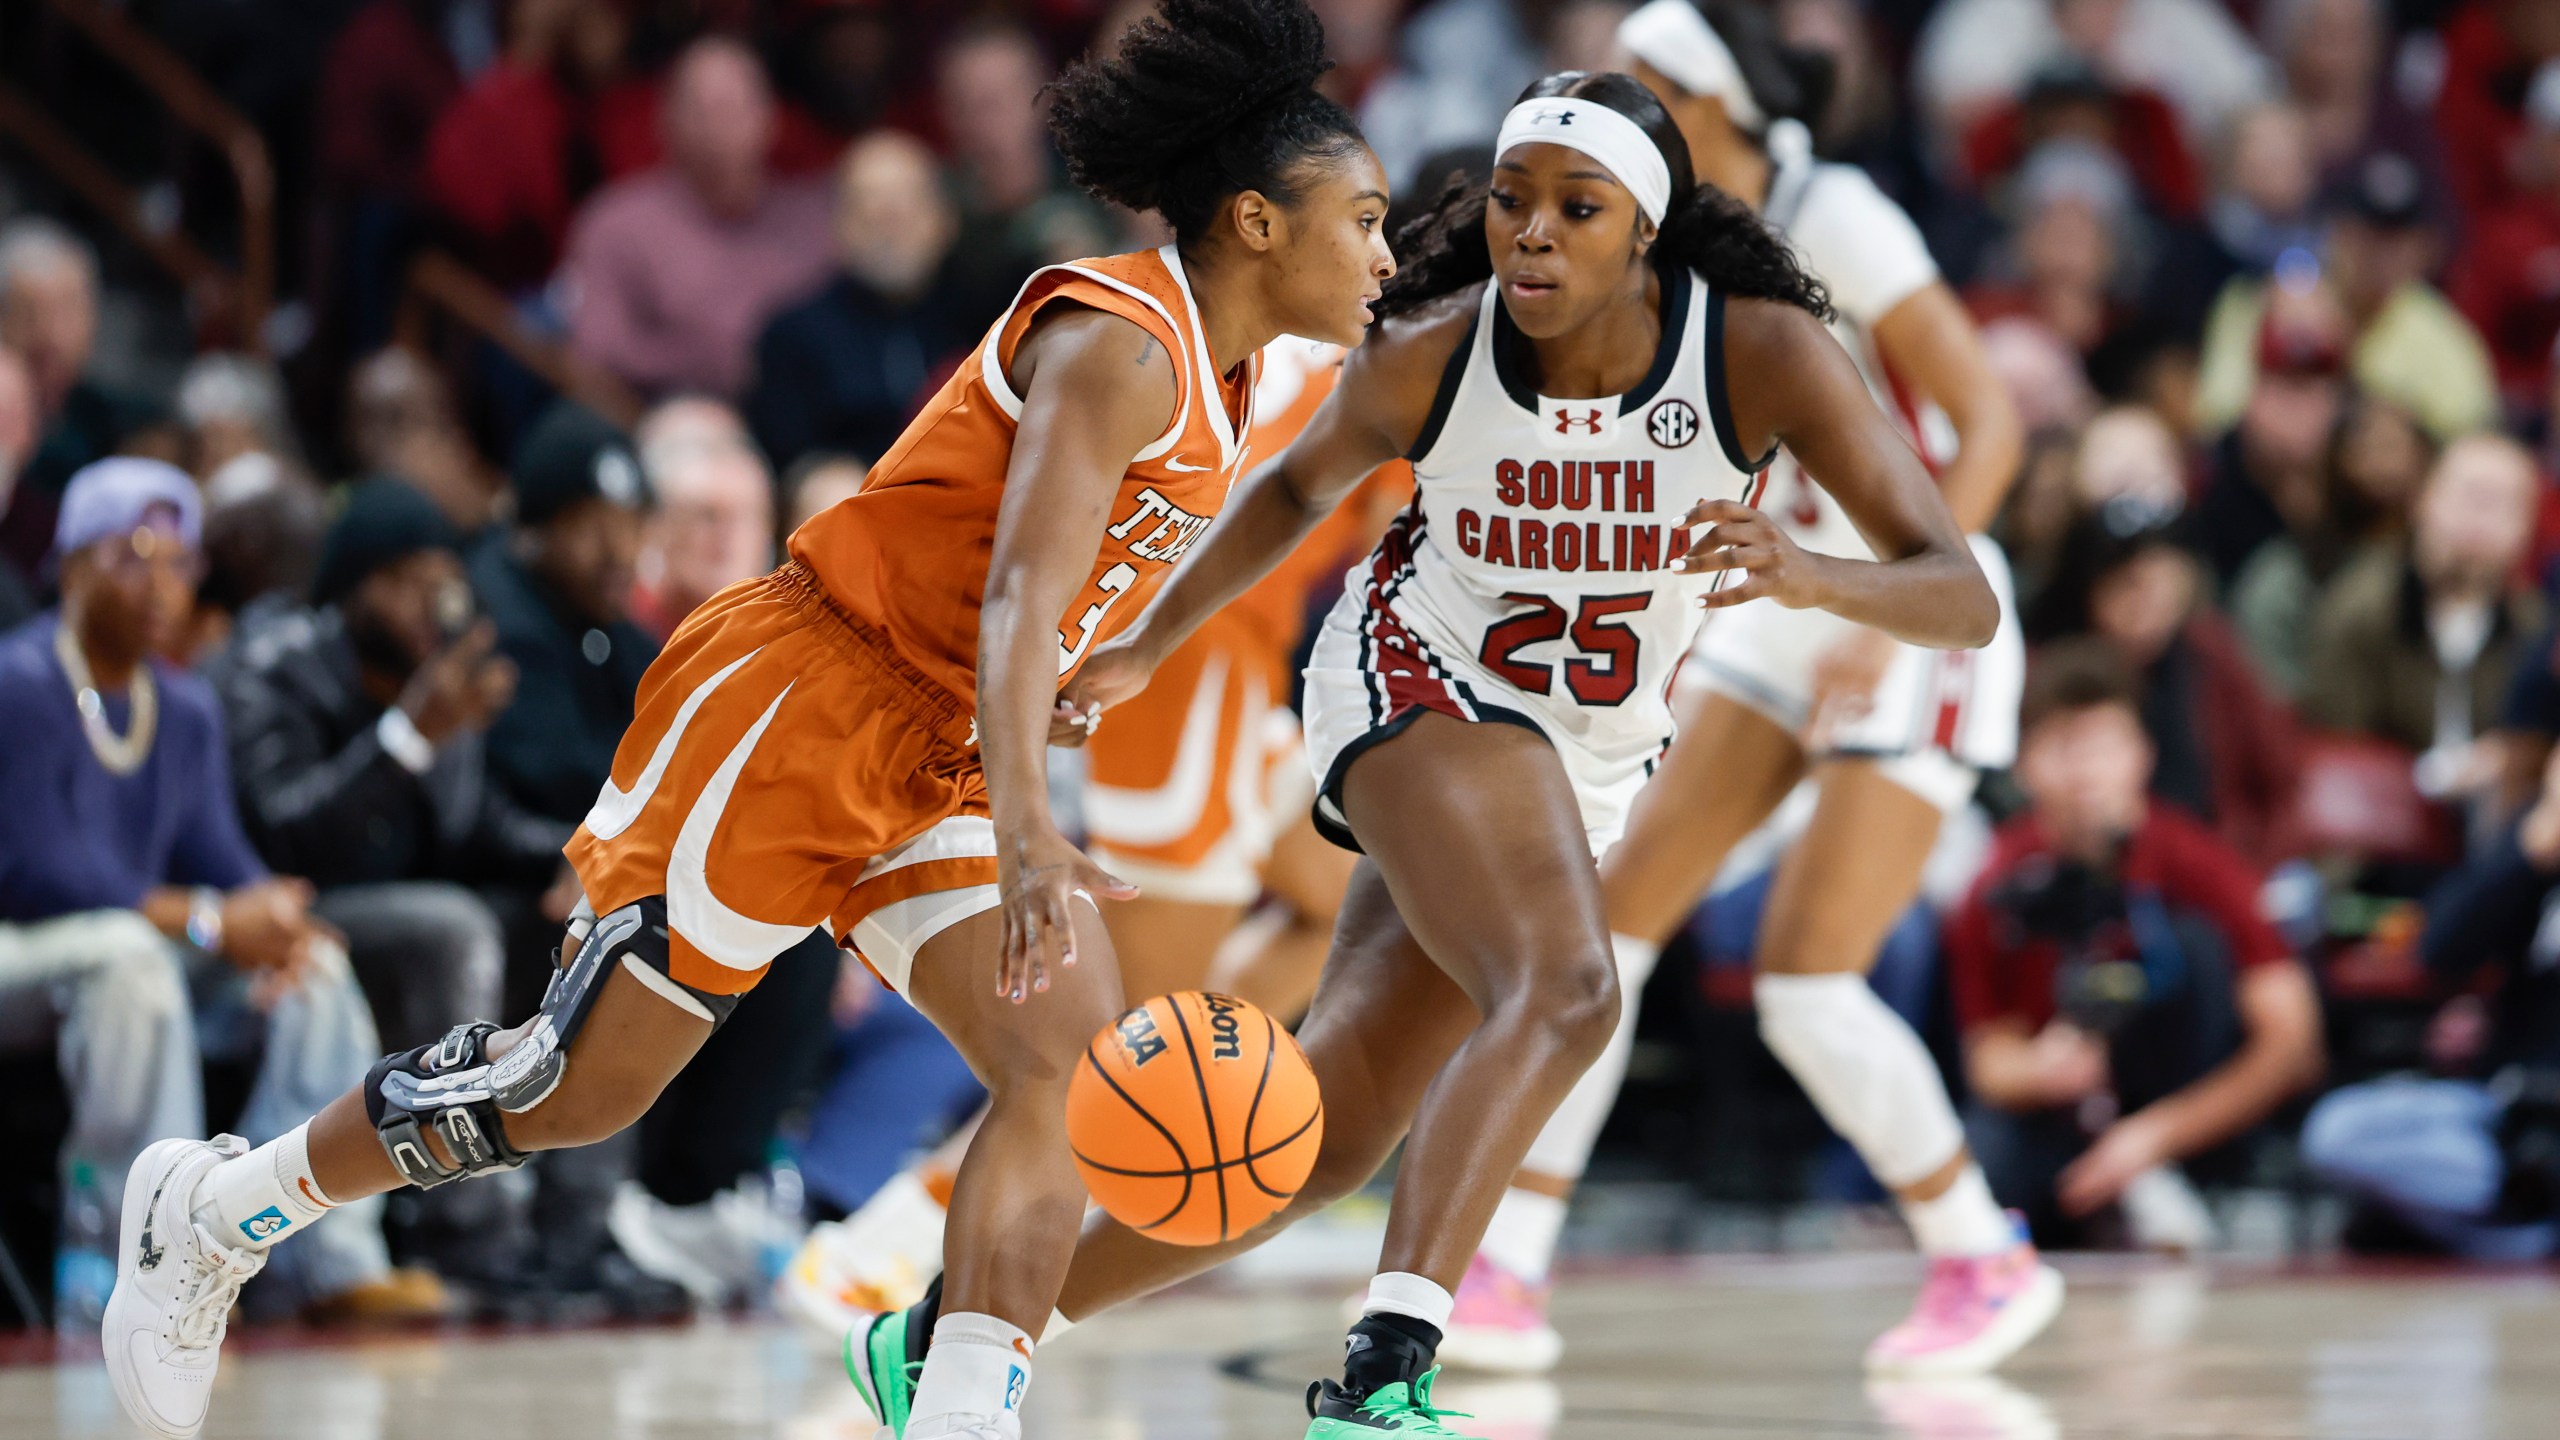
(908, 554)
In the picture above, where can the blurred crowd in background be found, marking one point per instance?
(578, 306)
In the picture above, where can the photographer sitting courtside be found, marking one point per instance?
(2124, 1009)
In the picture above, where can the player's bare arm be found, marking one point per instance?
(1929, 338)
(1371, 417)
(1096, 389)
(1792, 384)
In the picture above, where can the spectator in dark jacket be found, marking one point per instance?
(2465, 1162)
(355, 747)
(845, 368)
(49, 316)
(559, 591)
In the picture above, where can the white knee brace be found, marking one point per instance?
(1866, 1071)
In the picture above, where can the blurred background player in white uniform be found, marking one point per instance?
(1892, 737)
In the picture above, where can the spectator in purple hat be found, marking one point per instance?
(136, 924)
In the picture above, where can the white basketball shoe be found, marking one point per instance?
(175, 1285)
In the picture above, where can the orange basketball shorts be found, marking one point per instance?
(1188, 785)
(786, 769)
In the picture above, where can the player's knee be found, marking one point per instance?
(1575, 1005)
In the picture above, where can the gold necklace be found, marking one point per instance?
(121, 754)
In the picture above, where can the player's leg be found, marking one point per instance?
(198, 1217)
(1838, 892)
(1536, 964)
(1730, 768)
(1017, 1202)
(1166, 945)
(1276, 957)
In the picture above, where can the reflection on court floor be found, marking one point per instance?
(1728, 1348)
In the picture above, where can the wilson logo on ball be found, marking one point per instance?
(1226, 1034)
(1672, 423)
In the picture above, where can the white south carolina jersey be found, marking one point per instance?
(1526, 582)
(1939, 717)
(1871, 258)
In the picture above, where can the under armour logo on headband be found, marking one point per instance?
(1553, 117)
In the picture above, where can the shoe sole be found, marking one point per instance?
(860, 1358)
(1491, 1350)
(2019, 1323)
(154, 1165)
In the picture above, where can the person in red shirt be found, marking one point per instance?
(2123, 1006)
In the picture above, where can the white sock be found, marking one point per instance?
(977, 1368)
(1865, 1070)
(1522, 1238)
(1963, 1221)
(253, 1201)
(1416, 1297)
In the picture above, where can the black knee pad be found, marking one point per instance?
(633, 937)
(450, 1088)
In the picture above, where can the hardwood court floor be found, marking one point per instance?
(1735, 1349)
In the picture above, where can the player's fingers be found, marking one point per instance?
(1735, 557)
(1732, 595)
(1102, 884)
(1709, 511)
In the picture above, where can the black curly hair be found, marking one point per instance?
(1442, 248)
(1206, 99)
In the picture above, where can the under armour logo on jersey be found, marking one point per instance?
(1672, 423)
(1567, 422)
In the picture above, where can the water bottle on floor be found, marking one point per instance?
(84, 1268)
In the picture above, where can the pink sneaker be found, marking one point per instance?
(1973, 1313)
(1500, 1326)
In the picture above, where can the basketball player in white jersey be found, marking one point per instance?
(1589, 361)
(1892, 736)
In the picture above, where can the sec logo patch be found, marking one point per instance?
(1672, 423)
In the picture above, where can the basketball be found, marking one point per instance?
(1194, 1118)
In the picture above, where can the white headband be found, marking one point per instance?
(1672, 37)
(1601, 133)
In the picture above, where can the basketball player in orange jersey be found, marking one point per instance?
(858, 739)
(1197, 793)
(1588, 362)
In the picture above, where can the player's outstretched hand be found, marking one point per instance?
(1114, 672)
(1741, 539)
(1041, 875)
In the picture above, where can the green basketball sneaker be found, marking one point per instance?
(876, 1356)
(1398, 1409)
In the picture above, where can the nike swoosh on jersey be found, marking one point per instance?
(1174, 464)
(616, 808)
(737, 941)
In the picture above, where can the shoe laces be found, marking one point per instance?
(1412, 1406)
(214, 1277)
